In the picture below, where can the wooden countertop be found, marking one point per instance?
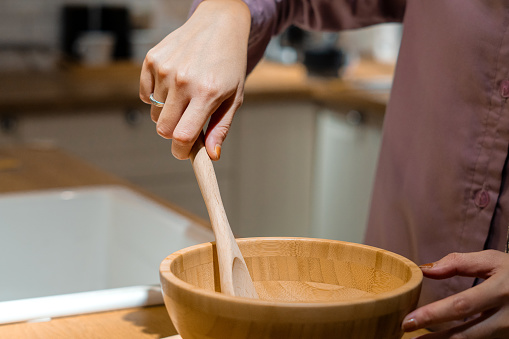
(363, 85)
(26, 169)
(118, 86)
(134, 323)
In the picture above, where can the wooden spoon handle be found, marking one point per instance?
(206, 177)
(233, 272)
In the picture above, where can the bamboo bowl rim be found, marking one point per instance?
(170, 281)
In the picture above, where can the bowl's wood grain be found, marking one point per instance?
(308, 288)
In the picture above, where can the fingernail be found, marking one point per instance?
(218, 151)
(427, 266)
(409, 325)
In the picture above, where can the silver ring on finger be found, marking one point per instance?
(155, 102)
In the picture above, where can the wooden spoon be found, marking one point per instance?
(233, 272)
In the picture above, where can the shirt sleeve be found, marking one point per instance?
(271, 17)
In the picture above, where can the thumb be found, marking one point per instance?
(218, 128)
(476, 264)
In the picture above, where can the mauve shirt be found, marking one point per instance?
(441, 180)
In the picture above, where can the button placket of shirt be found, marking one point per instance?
(492, 144)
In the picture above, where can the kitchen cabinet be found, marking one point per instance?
(305, 169)
(126, 144)
(347, 147)
(274, 167)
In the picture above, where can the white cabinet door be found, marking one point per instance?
(346, 157)
(275, 161)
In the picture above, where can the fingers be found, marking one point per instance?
(190, 126)
(478, 264)
(195, 70)
(219, 125)
(156, 111)
(485, 326)
(487, 301)
(488, 295)
(185, 114)
(178, 119)
(146, 83)
(168, 117)
(457, 307)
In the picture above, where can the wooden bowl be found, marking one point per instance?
(308, 288)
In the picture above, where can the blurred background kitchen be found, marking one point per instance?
(301, 155)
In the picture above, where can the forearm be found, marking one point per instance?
(271, 17)
(262, 24)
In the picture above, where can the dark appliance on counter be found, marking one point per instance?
(79, 19)
(318, 51)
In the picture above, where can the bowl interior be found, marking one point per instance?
(301, 269)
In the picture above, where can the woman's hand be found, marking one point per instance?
(487, 302)
(198, 71)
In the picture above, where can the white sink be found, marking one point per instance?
(109, 240)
